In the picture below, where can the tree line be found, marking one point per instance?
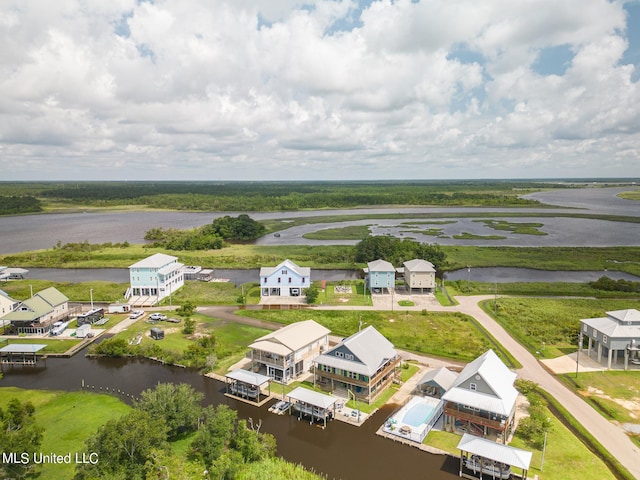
(274, 196)
(18, 204)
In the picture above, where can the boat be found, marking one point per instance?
(488, 467)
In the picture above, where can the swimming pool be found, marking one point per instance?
(418, 414)
(415, 419)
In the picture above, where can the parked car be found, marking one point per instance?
(157, 316)
(136, 314)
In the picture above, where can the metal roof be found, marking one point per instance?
(310, 397)
(442, 376)
(22, 348)
(294, 337)
(619, 324)
(380, 266)
(418, 265)
(495, 451)
(368, 346)
(287, 264)
(250, 378)
(157, 260)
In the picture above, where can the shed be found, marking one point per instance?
(157, 333)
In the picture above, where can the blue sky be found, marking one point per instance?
(330, 90)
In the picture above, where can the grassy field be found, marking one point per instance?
(473, 236)
(626, 259)
(68, 420)
(77, 292)
(448, 335)
(631, 195)
(551, 289)
(554, 321)
(521, 228)
(231, 338)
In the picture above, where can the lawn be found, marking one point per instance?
(443, 334)
(68, 420)
(54, 345)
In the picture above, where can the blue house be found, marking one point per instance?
(284, 280)
(379, 275)
(154, 278)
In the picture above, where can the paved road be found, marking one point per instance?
(609, 435)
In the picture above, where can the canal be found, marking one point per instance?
(340, 451)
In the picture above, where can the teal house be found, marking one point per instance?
(380, 276)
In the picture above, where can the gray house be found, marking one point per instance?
(436, 382)
(616, 336)
(362, 365)
(482, 400)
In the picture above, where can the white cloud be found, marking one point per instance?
(326, 89)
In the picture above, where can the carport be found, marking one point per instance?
(246, 385)
(315, 404)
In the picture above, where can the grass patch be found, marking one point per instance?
(351, 232)
(406, 303)
(520, 228)
(630, 195)
(552, 289)
(76, 292)
(335, 295)
(68, 420)
(472, 236)
(602, 389)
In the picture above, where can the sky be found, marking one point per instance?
(319, 90)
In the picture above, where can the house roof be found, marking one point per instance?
(37, 306)
(157, 260)
(22, 348)
(497, 377)
(612, 328)
(441, 376)
(379, 266)
(418, 265)
(291, 338)
(310, 397)
(368, 345)
(247, 377)
(289, 265)
(495, 451)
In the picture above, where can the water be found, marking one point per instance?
(340, 451)
(32, 232)
(513, 275)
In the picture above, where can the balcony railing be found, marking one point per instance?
(452, 410)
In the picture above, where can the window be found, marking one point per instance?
(584, 328)
(604, 339)
(279, 279)
(289, 279)
(340, 354)
(285, 272)
(265, 279)
(303, 279)
(473, 386)
(348, 356)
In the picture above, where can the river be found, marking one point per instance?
(32, 232)
(339, 451)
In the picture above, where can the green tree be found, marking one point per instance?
(178, 405)
(124, 447)
(214, 436)
(187, 309)
(312, 293)
(19, 433)
(189, 326)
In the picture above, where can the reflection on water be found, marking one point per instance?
(339, 451)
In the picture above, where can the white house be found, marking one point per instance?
(154, 278)
(285, 280)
